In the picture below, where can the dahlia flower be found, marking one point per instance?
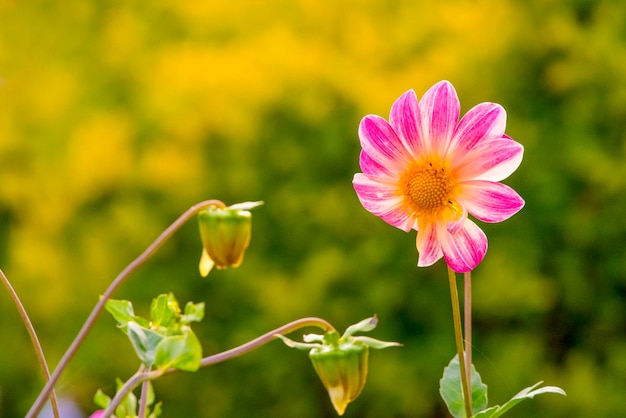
(425, 169)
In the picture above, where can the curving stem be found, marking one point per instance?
(143, 376)
(33, 338)
(115, 284)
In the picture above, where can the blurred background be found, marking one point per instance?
(116, 116)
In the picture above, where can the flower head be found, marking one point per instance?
(225, 234)
(341, 362)
(426, 170)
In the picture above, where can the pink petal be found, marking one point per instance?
(370, 166)
(427, 245)
(483, 121)
(380, 198)
(465, 249)
(381, 143)
(439, 110)
(492, 159)
(489, 201)
(404, 120)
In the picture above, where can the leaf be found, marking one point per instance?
(122, 311)
(144, 341)
(527, 393)
(182, 352)
(451, 390)
(164, 310)
(101, 399)
(194, 312)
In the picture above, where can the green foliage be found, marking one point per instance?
(128, 407)
(451, 391)
(450, 388)
(166, 340)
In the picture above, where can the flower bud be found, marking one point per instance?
(225, 234)
(342, 370)
(341, 362)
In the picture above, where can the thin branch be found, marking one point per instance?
(33, 339)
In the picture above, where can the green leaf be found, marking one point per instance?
(527, 393)
(164, 310)
(101, 399)
(122, 311)
(156, 411)
(451, 390)
(182, 352)
(144, 341)
(194, 312)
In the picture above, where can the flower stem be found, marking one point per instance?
(82, 334)
(143, 376)
(143, 400)
(467, 322)
(33, 338)
(456, 314)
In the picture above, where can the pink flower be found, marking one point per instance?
(426, 170)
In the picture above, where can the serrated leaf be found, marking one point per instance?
(101, 399)
(182, 352)
(526, 393)
(144, 341)
(163, 310)
(451, 390)
(194, 312)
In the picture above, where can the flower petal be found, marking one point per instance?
(465, 249)
(380, 198)
(483, 121)
(404, 118)
(492, 159)
(489, 201)
(381, 143)
(369, 166)
(427, 245)
(439, 110)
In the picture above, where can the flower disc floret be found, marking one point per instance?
(425, 169)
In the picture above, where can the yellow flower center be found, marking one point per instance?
(428, 189)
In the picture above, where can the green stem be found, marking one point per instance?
(467, 322)
(82, 334)
(456, 314)
(33, 339)
(143, 376)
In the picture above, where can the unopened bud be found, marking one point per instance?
(225, 234)
(342, 370)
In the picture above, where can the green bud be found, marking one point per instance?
(341, 362)
(342, 370)
(225, 234)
